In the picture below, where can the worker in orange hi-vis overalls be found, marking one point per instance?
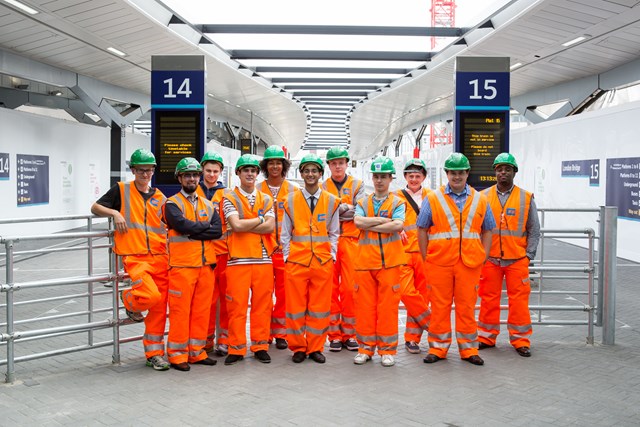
(140, 237)
(193, 225)
(213, 190)
(310, 231)
(250, 224)
(274, 167)
(454, 235)
(514, 244)
(342, 330)
(415, 293)
(378, 265)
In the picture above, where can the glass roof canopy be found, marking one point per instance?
(330, 55)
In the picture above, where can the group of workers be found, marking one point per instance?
(336, 261)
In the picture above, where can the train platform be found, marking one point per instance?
(566, 382)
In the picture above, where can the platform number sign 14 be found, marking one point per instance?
(184, 89)
(4, 165)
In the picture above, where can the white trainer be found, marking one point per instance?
(388, 360)
(361, 359)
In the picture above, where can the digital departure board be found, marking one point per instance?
(482, 114)
(177, 134)
(483, 136)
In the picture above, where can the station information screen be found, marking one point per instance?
(482, 137)
(177, 134)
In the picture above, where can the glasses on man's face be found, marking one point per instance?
(144, 171)
(190, 175)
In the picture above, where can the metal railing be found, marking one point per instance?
(17, 331)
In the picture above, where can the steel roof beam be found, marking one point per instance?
(351, 30)
(331, 55)
(329, 70)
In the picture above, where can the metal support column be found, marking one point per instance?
(608, 264)
(10, 375)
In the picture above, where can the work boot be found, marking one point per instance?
(412, 347)
(351, 344)
(281, 344)
(157, 363)
(184, 366)
(335, 345)
(222, 350)
(207, 362)
(262, 356)
(133, 315)
(232, 359)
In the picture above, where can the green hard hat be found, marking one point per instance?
(505, 159)
(415, 164)
(142, 157)
(188, 164)
(382, 164)
(212, 156)
(273, 152)
(337, 153)
(247, 160)
(457, 162)
(311, 158)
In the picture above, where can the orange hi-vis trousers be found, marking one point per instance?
(377, 295)
(240, 280)
(278, 323)
(150, 283)
(457, 283)
(219, 301)
(308, 305)
(518, 291)
(190, 294)
(342, 321)
(415, 297)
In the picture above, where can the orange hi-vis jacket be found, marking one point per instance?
(410, 218)
(220, 244)
(248, 244)
(183, 251)
(146, 233)
(346, 195)
(380, 250)
(510, 236)
(278, 206)
(453, 235)
(310, 235)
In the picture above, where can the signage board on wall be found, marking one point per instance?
(623, 186)
(582, 169)
(32, 173)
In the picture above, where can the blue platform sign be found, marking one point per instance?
(482, 114)
(32, 173)
(177, 89)
(4, 166)
(623, 186)
(582, 169)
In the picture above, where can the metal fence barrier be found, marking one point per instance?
(599, 306)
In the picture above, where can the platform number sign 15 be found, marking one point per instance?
(488, 92)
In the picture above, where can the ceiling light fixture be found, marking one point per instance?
(516, 65)
(55, 93)
(22, 7)
(574, 41)
(116, 51)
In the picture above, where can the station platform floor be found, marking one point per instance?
(566, 382)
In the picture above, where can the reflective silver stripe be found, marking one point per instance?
(520, 328)
(278, 320)
(440, 337)
(196, 353)
(470, 235)
(334, 328)
(470, 337)
(485, 334)
(154, 347)
(466, 345)
(150, 337)
(422, 316)
(388, 339)
(392, 238)
(176, 293)
(178, 353)
(439, 344)
(350, 320)
(296, 316)
(387, 347)
(447, 210)
(304, 238)
(348, 330)
(445, 235)
(366, 338)
(193, 341)
(281, 330)
(367, 347)
(472, 213)
(296, 331)
(410, 227)
(505, 232)
(259, 342)
(157, 230)
(137, 282)
(238, 347)
(316, 331)
(176, 345)
(179, 238)
(413, 330)
(318, 314)
(238, 203)
(513, 337)
(488, 325)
